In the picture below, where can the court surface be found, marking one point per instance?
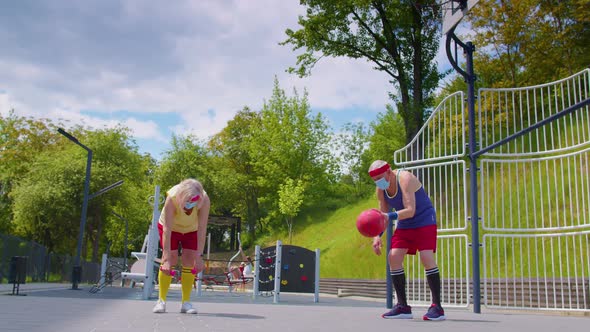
(58, 308)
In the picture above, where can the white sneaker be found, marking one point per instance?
(187, 308)
(160, 307)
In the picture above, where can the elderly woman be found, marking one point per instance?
(183, 221)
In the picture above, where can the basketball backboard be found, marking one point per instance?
(453, 12)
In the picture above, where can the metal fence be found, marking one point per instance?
(42, 266)
(533, 195)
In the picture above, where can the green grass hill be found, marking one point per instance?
(344, 253)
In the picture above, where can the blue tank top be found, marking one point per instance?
(424, 215)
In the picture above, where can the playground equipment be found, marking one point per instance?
(227, 278)
(144, 270)
(287, 268)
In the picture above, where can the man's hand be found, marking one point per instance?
(377, 245)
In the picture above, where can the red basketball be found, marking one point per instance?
(370, 223)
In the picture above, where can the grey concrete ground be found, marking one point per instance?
(50, 307)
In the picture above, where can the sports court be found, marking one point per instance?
(51, 307)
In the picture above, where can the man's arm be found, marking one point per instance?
(409, 184)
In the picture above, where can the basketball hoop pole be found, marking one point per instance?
(469, 76)
(389, 283)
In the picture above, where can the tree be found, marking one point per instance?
(21, 140)
(290, 143)
(529, 42)
(47, 198)
(388, 136)
(188, 158)
(399, 37)
(352, 142)
(290, 200)
(235, 171)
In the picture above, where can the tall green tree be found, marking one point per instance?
(48, 197)
(529, 42)
(388, 135)
(191, 157)
(188, 157)
(399, 37)
(235, 171)
(352, 143)
(21, 140)
(290, 142)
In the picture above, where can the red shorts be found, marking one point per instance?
(415, 239)
(188, 240)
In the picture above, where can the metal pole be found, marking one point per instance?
(77, 269)
(389, 283)
(316, 294)
(126, 240)
(125, 244)
(470, 78)
(256, 285)
(278, 260)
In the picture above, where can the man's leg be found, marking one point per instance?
(398, 277)
(432, 274)
(435, 312)
(397, 273)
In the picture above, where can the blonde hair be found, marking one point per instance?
(188, 188)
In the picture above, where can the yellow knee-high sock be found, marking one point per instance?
(187, 281)
(164, 282)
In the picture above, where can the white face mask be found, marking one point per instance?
(190, 205)
(382, 183)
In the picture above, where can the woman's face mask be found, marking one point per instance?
(382, 183)
(192, 202)
(190, 205)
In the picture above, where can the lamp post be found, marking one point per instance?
(126, 235)
(77, 268)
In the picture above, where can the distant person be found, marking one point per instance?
(246, 266)
(401, 196)
(183, 221)
(244, 270)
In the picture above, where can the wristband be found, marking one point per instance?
(392, 215)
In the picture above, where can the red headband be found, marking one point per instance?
(195, 198)
(380, 170)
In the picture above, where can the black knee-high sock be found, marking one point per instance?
(398, 277)
(433, 277)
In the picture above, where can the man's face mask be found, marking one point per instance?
(382, 183)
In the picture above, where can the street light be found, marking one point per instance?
(126, 235)
(77, 268)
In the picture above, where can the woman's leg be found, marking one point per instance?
(165, 279)
(188, 278)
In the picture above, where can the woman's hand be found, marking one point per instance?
(165, 266)
(199, 263)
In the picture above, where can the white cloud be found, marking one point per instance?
(201, 60)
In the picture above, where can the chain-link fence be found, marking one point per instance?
(42, 266)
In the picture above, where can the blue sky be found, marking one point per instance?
(164, 68)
